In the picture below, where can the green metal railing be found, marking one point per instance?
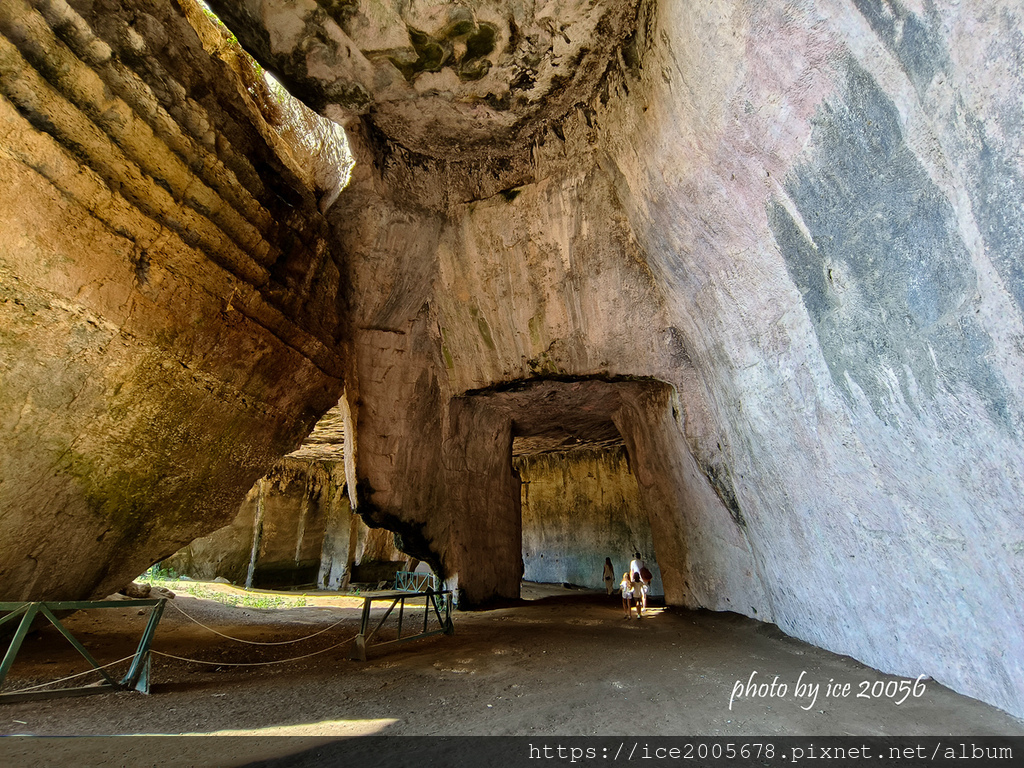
(410, 581)
(439, 601)
(137, 677)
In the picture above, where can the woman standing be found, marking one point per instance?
(609, 575)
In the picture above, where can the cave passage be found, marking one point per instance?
(573, 497)
(580, 504)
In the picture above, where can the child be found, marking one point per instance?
(638, 568)
(640, 595)
(627, 596)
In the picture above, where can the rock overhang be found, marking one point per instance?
(560, 415)
(477, 78)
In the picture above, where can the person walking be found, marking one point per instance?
(627, 596)
(638, 571)
(609, 575)
(639, 595)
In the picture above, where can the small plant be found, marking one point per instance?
(159, 572)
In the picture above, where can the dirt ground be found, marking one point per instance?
(562, 662)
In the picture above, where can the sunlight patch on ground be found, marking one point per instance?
(323, 728)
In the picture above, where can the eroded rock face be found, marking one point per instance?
(438, 78)
(581, 506)
(168, 298)
(777, 246)
(277, 537)
(803, 217)
(295, 527)
(847, 279)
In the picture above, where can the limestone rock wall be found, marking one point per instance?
(818, 204)
(295, 527)
(580, 507)
(168, 298)
(776, 246)
(829, 194)
(277, 534)
(542, 279)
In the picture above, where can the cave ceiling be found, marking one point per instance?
(478, 77)
(558, 416)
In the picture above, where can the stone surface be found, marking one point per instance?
(295, 527)
(168, 298)
(437, 77)
(579, 507)
(803, 217)
(776, 246)
(137, 591)
(841, 272)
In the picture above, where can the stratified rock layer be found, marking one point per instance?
(167, 295)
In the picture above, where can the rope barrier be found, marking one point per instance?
(70, 677)
(254, 663)
(217, 663)
(214, 663)
(252, 642)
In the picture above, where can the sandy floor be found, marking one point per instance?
(563, 663)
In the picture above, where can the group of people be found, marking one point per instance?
(635, 584)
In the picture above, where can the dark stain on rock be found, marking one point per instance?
(995, 187)
(340, 10)
(915, 42)
(513, 34)
(409, 536)
(480, 43)
(675, 340)
(142, 266)
(433, 52)
(501, 103)
(721, 480)
(631, 56)
(460, 22)
(887, 281)
(996, 190)
(524, 81)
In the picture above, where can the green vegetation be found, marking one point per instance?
(246, 600)
(166, 577)
(220, 24)
(159, 573)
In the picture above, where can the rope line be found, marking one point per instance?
(211, 663)
(70, 677)
(253, 642)
(254, 663)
